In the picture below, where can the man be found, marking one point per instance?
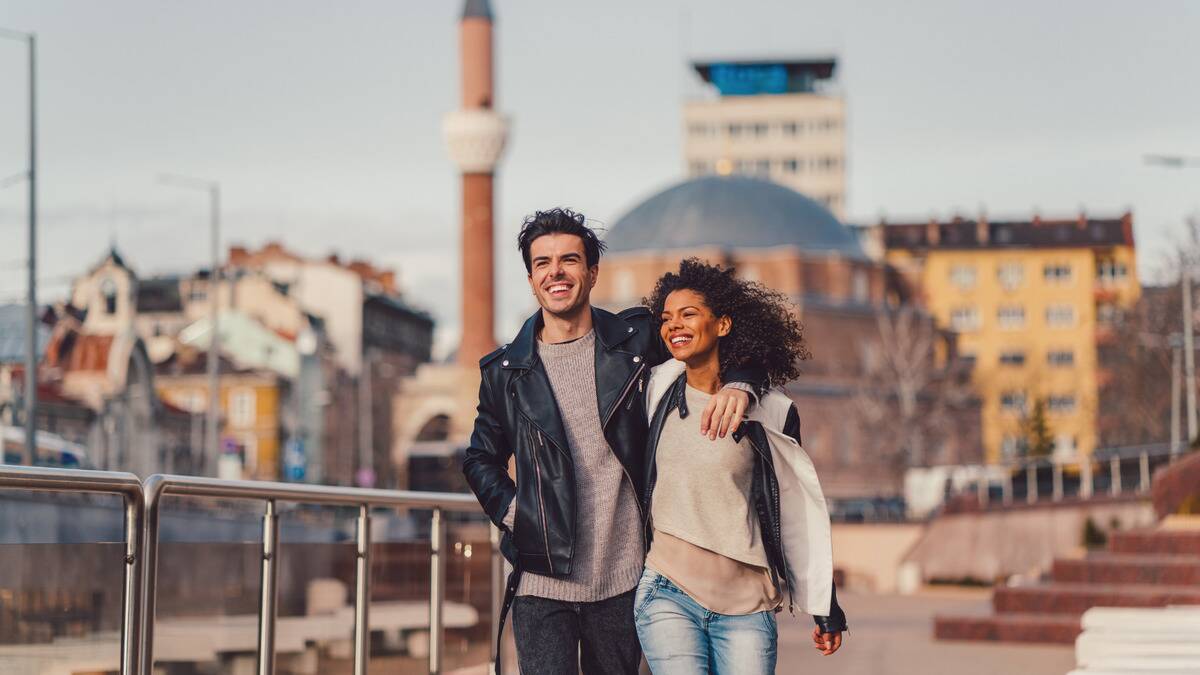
(565, 397)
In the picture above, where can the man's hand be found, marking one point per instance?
(724, 412)
(826, 643)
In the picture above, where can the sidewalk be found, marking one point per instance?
(893, 635)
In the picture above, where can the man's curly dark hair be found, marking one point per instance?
(765, 330)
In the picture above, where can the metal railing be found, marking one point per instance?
(143, 506)
(1111, 465)
(129, 488)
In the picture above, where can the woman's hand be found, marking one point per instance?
(724, 412)
(826, 643)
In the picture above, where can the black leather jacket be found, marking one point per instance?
(764, 489)
(518, 415)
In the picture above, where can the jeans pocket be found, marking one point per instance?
(769, 621)
(646, 590)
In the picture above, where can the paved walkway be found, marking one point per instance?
(893, 635)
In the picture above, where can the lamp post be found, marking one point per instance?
(213, 188)
(1185, 281)
(31, 318)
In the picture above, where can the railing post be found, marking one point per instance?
(1057, 476)
(437, 590)
(153, 497)
(362, 592)
(1114, 470)
(266, 604)
(1031, 489)
(131, 608)
(1085, 478)
(497, 565)
(1144, 470)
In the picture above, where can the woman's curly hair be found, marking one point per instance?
(765, 330)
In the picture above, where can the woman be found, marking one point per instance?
(735, 523)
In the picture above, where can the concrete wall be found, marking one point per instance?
(995, 544)
(869, 555)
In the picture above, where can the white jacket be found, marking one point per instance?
(804, 516)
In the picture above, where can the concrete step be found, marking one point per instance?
(1156, 542)
(1129, 568)
(1074, 598)
(1055, 629)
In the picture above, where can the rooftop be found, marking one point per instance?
(733, 212)
(749, 77)
(1038, 232)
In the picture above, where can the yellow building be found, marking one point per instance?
(1029, 300)
(251, 412)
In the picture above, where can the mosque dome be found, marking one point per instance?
(735, 212)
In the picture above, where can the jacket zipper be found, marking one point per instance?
(637, 375)
(537, 468)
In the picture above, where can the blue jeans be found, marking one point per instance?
(680, 637)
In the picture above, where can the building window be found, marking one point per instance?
(698, 129)
(1111, 272)
(862, 286)
(791, 128)
(1060, 316)
(964, 319)
(763, 166)
(828, 124)
(108, 289)
(698, 168)
(1012, 402)
(1010, 447)
(1064, 445)
(1061, 405)
(828, 163)
(1056, 273)
(735, 130)
(760, 129)
(1107, 313)
(1010, 275)
(1060, 358)
(241, 407)
(625, 285)
(1012, 358)
(792, 165)
(1011, 317)
(962, 276)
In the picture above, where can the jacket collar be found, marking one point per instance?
(611, 332)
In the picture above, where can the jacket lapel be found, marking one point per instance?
(615, 365)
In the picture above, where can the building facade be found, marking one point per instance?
(1029, 300)
(863, 421)
(774, 119)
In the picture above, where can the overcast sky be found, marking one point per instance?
(322, 120)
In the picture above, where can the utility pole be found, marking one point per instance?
(31, 317)
(212, 445)
(1176, 376)
(1189, 357)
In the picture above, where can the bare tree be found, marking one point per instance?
(914, 396)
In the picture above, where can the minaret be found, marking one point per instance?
(476, 134)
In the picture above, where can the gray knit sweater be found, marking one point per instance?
(608, 544)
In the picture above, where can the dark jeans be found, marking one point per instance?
(555, 637)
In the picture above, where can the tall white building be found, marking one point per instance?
(778, 119)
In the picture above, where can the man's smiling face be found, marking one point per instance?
(559, 274)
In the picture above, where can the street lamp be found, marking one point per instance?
(1185, 282)
(212, 443)
(31, 317)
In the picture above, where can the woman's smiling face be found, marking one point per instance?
(689, 327)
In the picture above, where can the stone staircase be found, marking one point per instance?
(1141, 568)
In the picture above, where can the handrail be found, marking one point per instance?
(129, 488)
(159, 486)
